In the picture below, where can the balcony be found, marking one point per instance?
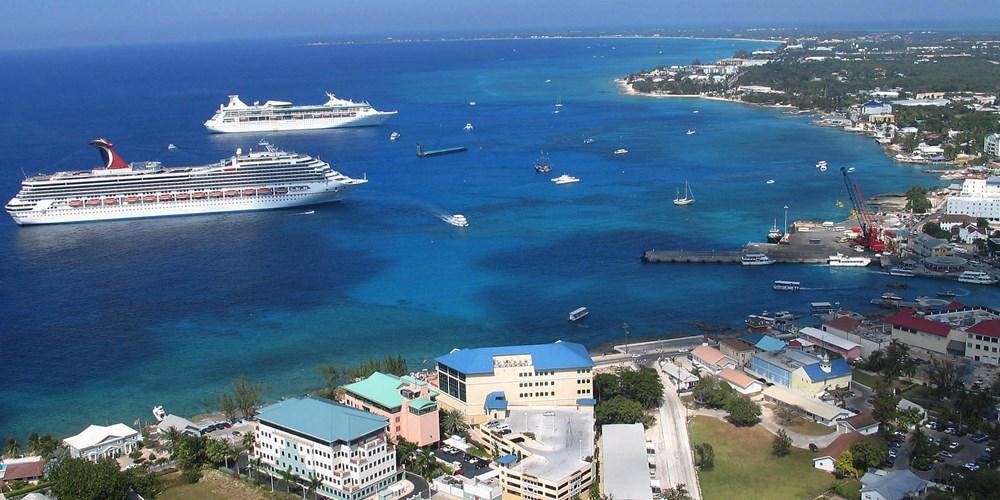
(341, 473)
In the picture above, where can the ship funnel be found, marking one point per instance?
(108, 154)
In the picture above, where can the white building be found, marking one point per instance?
(482, 487)
(99, 441)
(624, 468)
(979, 198)
(345, 448)
(991, 145)
(892, 485)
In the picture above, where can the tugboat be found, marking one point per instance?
(774, 235)
(542, 164)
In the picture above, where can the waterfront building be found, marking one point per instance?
(181, 424)
(821, 412)
(925, 245)
(485, 486)
(970, 233)
(830, 342)
(546, 452)
(892, 485)
(738, 350)
(20, 470)
(801, 372)
(970, 331)
(991, 145)
(825, 459)
(923, 333)
(99, 441)
(870, 338)
(711, 359)
(743, 383)
(406, 402)
(678, 375)
(948, 221)
(978, 198)
(624, 463)
(347, 449)
(983, 341)
(556, 374)
(877, 112)
(764, 343)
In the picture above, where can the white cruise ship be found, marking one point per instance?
(263, 179)
(977, 278)
(274, 116)
(841, 260)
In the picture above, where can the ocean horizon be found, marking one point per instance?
(101, 321)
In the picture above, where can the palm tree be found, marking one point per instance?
(254, 466)
(314, 484)
(424, 462)
(287, 476)
(173, 435)
(34, 443)
(11, 448)
(452, 422)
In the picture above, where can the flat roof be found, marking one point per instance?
(558, 355)
(828, 338)
(812, 406)
(379, 387)
(625, 466)
(564, 438)
(322, 419)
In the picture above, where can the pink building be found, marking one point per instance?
(407, 402)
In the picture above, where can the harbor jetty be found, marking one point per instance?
(422, 153)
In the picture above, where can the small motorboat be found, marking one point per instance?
(468, 127)
(588, 140)
(621, 151)
(171, 146)
(850, 169)
(578, 314)
(947, 293)
(696, 111)
(472, 103)
(691, 131)
(769, 181)
(542, 164)
(159, 413)
(457, 220)
(548, 81)
(565, 179)
(394, 136)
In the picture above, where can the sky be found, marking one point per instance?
(69, 23)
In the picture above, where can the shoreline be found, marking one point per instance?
(320, 43)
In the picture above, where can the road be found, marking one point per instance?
(675, 460)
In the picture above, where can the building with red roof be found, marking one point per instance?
(826, 457)
(983, 341)
(917, 331)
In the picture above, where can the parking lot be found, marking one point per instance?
(225, 431)
(469, 465)
(957, 451)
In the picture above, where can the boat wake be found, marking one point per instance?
(830, 288)
(307, 212)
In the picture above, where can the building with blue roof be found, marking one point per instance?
(800, 371)
(475, 381)
(347, 449)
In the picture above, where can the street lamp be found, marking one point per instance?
(785, 229)
(625, 327)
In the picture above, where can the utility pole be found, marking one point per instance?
(625, 327)
(785, 229)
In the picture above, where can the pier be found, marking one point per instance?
(809, 246)
(726, 257)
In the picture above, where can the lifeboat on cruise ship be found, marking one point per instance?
(264, 191)
(149, 198)
(75, 203)
(199, 195)
(93, 202)
(111, 201)
(232, 192)
(249, 192)
(183, 196)
(281, 190)
(131, 199)
(166, 197)
(215, 194)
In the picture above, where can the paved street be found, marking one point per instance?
(675, 461)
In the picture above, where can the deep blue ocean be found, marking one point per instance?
(101, 321)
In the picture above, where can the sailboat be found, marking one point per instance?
(542, 164)
(688, 196)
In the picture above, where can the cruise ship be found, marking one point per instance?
(262, 179)
(275, 116)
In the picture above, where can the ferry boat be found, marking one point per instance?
(578, 314)
(565, 179)
(823, 307)
(688, 196)
(457, 220)
(792, 286)
(756, 259)
(274, 116)
(901, 272)
(542, 164)
(891, 297)
(977, 278)
(774, 235)
(841, 260)
(258, 180)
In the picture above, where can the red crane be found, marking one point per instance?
(870, 237)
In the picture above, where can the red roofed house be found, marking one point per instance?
(826, 457)
(933, 336)
(743, 383)
(27, 469)
(711, 359)
(842, 326)
(983, 341)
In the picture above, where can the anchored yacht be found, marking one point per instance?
(263, 179)
(274, 116)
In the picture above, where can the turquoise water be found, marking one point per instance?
(101, 321)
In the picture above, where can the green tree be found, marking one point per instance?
(249, 440)
(247, 396)
(606, 386)
(173, 437)
(227, 404)
(934, 229)
(189, 452)
(742, 410)
(424, 462)
(405, 451)
(704, 456)
(884, 402)
(594, 492)
(452, 423)
(11, 448)
(289, 477)
(621, 410)
(844, 465)
(216, 452)
(983, 224)
(782, 444)
(678, 492)
(79, 479)
(644, 386)
(712, 392)
(313, 485)
(869, 452)
(943, 374)
(980, 485)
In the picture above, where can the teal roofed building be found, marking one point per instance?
(471, 381)
(409, 404)
(346, 448)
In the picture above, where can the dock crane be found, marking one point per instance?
(870, 236)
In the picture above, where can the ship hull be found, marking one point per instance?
(365, 120)
(63, 214)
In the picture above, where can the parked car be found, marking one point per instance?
(953, 445)
(950, 430)
(931, 425)
(944, 454)
(972, 466)
(894, 445)
(979, 438)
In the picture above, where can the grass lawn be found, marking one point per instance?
(810, 428)
(745, 467)
(865, 378)
(214, 485)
